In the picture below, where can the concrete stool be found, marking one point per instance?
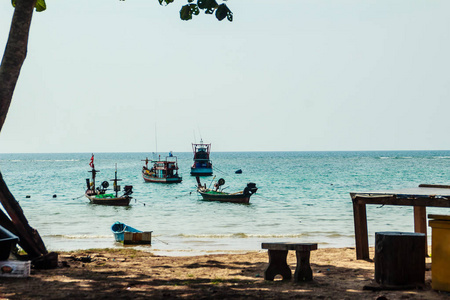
(278, 265)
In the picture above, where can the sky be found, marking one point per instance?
(316, 75)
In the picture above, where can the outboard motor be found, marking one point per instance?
(250, 189)
(128, 190)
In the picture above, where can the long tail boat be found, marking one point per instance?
(217, 193)
(98, 195)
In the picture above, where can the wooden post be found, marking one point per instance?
(361, 236)
(399, 258)
(420, 223)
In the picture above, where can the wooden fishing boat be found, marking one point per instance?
(217, 194)
(98, 195)
(163, 171)
(202, 164)
(128, 235)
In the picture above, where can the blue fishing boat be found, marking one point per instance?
(202, 164)
(128, 235)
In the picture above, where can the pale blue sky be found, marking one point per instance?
(300, 76)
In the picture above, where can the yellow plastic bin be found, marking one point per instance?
(440, 252)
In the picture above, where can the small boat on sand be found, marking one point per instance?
(128, 235)
(202, 164)
(217, 194)
(98, 195)
(163, 171)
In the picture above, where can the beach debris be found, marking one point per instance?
(86, 259)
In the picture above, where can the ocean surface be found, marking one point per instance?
(302, 197)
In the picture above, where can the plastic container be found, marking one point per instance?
(14, 268)
(440, 252)
(7, 242)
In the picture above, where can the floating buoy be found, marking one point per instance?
(54, 196)
(238, 171)
(27, 196)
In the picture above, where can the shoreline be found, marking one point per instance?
(188, 246)
(133, 274)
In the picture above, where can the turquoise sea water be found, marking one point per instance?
(302, 196)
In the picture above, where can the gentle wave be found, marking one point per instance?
(395, 157)
(77, 236)
(39, 160)
(263, 236)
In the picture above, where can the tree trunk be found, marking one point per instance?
(13, 58)
(30, 239)
(15, 53)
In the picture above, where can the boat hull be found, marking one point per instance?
(128, 235)
(118, 201)
(148, 178)
(201, 171)
(232, 198)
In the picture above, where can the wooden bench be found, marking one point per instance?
(278, 264)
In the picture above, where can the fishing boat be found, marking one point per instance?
(217, 193)
(163, 171)
(128, 235)
(98, 195)
(202, 164)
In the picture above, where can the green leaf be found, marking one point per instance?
(209, 5)
(165, 2)
(223, 11)
(188, 10)
(40, 5)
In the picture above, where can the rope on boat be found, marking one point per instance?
(136, 201)
(184, 195)
(211, 181)
(264, 198)
(78, 197)
(220, 171)
(161, 241)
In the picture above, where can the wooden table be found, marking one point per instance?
(420, 197)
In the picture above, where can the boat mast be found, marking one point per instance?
(116, 187)
(94, 171)
(156, 141)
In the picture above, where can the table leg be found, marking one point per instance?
(361, 237)
(303, 270)
(277, 265)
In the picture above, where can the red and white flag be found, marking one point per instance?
(91, 163)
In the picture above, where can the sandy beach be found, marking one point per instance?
(132, 274)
